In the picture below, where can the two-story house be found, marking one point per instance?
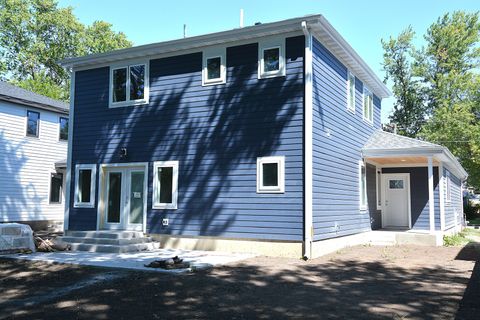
(33, 152)
(261, 139)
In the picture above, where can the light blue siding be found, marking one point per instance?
(454, 208)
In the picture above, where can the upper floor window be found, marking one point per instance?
(367, 105)
(33, 121)
(271, 59)
(271, 174)
(351, 92)
(214, 67)
(129, 85)
(63, 128)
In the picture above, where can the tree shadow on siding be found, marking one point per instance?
(17, 196)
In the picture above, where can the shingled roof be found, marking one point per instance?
(21, 96)
(385, 140)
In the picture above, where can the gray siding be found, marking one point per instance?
(454, 208)
(338, 136)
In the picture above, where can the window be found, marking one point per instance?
(129, 85)
(63, 134)
(56, 187)
(395, 184)
(351, 92)
(85, 185)
(33, 120)
(379, 190)
(165, 184)
(449, 187)
(214, 66)
(367, 105)
(271, 174)
(271, 59)
(363, 186)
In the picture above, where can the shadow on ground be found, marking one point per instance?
(470, 305)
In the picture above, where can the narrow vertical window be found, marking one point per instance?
(351, 92)
(56, 186)
(214, 66)
(63, 127)
(271, 59)
(120, 85)
(367, 105)
(85, 185)
(137, 82)
(33, 120)
(379, 190)
(363, 187)
(271, 174)
(165, 185)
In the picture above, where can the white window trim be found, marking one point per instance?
(38, 125)
(60, 126)
(272, 44)
(349, 97)
(210, 54)
(448, 189)
(368, 91)
(362, 206)
(50, 187)
(155, 201)
(93, 179)
(128, 102)
(280, 160)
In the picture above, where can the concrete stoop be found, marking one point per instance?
(109, 241)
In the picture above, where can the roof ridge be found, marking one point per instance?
(408, 138)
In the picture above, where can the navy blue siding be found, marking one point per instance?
(454, 208)
(419, 196)
(215, 132)
(338, 136)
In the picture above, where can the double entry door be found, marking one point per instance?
(124, 198)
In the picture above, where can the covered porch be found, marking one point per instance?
(412, 186)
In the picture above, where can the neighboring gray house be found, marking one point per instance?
(33, 151)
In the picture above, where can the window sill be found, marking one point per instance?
(128, 104)
(270, 191)
(271, 75)
(213, 83)
(83, 205)
(164, 207)
(352, 111)
(370, 123)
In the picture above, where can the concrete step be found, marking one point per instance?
(118, 242)
(108, 248)
(105, 234)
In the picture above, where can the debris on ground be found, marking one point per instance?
(168, 264)
(50, 245)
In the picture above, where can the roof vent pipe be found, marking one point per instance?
(184, 30)
(241, 18)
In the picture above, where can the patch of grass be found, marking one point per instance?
(455, 240)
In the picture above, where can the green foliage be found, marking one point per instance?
(36, 34)
(437, 88)
(455, 240)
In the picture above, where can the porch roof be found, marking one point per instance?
(383, 144)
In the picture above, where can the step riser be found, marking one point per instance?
(117, 242)
(105, 234)
(114, 249)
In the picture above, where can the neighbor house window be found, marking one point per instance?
(351, 92)
(56, 186)
(214, 69)
(363, 186)
(271, 174)
(449, 187)
(63, 134)
(165, 184)
(129, 85)
(271, 59)
(85, 175)
(33, 123)
(367, 105)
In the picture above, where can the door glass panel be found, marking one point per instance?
(396, 184)
(136, 197)
(114, 197)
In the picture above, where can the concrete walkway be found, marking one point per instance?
(136, 260)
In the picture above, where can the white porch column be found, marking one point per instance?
(431, 201)
(441, 190)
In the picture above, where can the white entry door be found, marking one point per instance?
(124, 198)
(396, 213)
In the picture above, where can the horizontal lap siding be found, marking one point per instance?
(420, 211)
(215, 132)
(338, 136)
(454, 208)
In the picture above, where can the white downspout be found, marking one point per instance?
(441, 191)
(69, 152)
(308, 143)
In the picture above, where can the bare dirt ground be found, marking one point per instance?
(404, 282)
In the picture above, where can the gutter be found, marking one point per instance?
(308, 145)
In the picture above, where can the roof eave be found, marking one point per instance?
(34, 104)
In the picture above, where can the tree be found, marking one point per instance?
(409, 108)
(36, 34)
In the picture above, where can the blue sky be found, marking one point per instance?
(361, 23)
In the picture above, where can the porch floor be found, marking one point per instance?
(396, 236)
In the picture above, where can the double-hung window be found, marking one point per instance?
(129, 85)
(33, 123)
(367, 105)
(271, 59)
(351, 92)
(214, 66)
(165, 185)
(63, 129)
(56, 187)
(271, 174)
(85, 176)
(363, 186)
